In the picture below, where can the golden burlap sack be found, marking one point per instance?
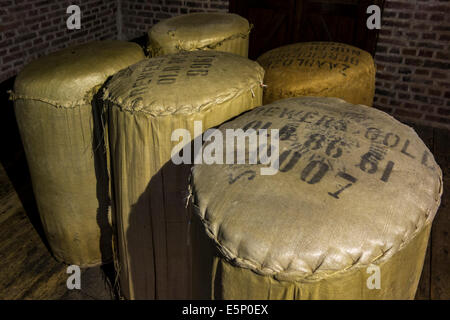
(147, 102)
(60, 125)
(200, 31)
(323, 69)
(347, 216)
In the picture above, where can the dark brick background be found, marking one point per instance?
(413, 61)
(413, 53)
(140, 15)
(32, 28)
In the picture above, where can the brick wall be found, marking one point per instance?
(31, 28)
(413, 53)
(413, 61)
(139, 15)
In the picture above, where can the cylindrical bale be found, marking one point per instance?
(58, 116)
(226, 32)
(150, 105)
(322, 69)
(346, 215)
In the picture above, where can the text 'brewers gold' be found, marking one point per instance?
(355, 194)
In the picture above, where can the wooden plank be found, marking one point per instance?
(27, 269)
(274, 23)
(424, 288)
(442, 142)
(24, 260)
(440, 258)
(425, 133)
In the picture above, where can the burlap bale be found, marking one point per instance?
(55, 109)
(200, 31)
(323, 69)
(147, 102)
(355, 190)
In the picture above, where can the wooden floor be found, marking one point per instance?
(435, 281)
(28, 271)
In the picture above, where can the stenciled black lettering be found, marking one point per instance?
(291, 163)
(394, 143)
(372, 133)
(387, 172)
(250, 173)
(332, 146)
(309, 115)
(405, 149)
(315, 138)
(198, 72)
(287, 131)
(369, 163)
(425, 157)
(287, 62)
(255, 124)
(347, 177)
(317, 177)
(326, 120)
(354, 61)
(269, 112)
(290, 114)
(344, 68)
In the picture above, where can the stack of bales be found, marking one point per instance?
(149, 103)
(347, 216)
(200, 31)
(308, 231)
(58, 112)
(323, 69)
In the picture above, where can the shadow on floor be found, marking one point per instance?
(14, 161)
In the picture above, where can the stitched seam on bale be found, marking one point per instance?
(185, 110)
(257, 267)
(242, 35)
(87, 100)
(293, 276)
